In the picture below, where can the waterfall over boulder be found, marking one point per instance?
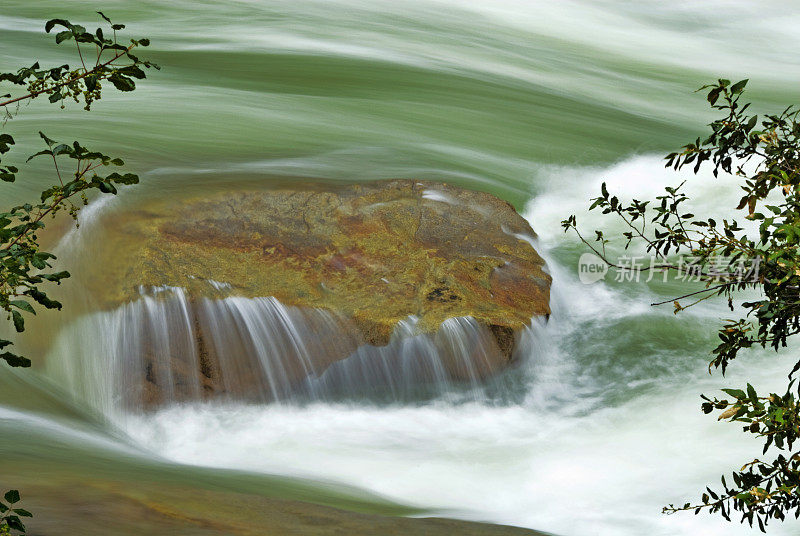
(311, 290)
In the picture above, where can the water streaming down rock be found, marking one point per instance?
(391, 290)
(458, 357)
(167, 347)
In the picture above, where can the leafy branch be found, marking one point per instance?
(10, 514)
(763, 155)
(24, 267)
(62, 82)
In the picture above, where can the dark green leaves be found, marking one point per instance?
(15, 360)
(61, 84)
(63, 36)
(121, 82)
(57, 277)
(22, 305)
(24, 267)
(42, 299)
(6, 141)
(56, 22)
(133, 71)
(22, 264)
(736, 393)
(107, 188)
(751, 123)
(713, 95)
(10, 516)
(7, 173)
(47, 140)
(762, 155)
(738, 87)
(127, 178)
(40, 153)
(19, 322)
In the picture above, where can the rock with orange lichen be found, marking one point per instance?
(373, 253)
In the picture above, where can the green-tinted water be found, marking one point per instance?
(536, 102)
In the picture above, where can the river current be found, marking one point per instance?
(535, 102)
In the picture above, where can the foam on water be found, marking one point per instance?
(604, 426)
(586, 451)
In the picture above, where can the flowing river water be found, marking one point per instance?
(535, 102)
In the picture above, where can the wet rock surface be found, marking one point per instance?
(372, 255)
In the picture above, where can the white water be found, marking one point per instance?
(605, 427)
(259, 350)
(595, 447)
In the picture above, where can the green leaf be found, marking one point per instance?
(40, 153)
(127, 178)
(63, 36)
(738, 87)
(6, 141)
(23, 305)
(62, 148)
(14, 523)
(122, 83)
(15, 360)
(53, 22)
(106, 188)
(42, 299)
(47, 140)
(12, 496)
(56, 277)
(19, 322)
(134, 71)
(736, 393)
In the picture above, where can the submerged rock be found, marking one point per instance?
(371, 256)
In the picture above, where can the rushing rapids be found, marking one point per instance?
(391, 290)
(537, 103)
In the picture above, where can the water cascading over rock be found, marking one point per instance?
(309, 291)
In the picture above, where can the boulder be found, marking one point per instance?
(371, 254)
